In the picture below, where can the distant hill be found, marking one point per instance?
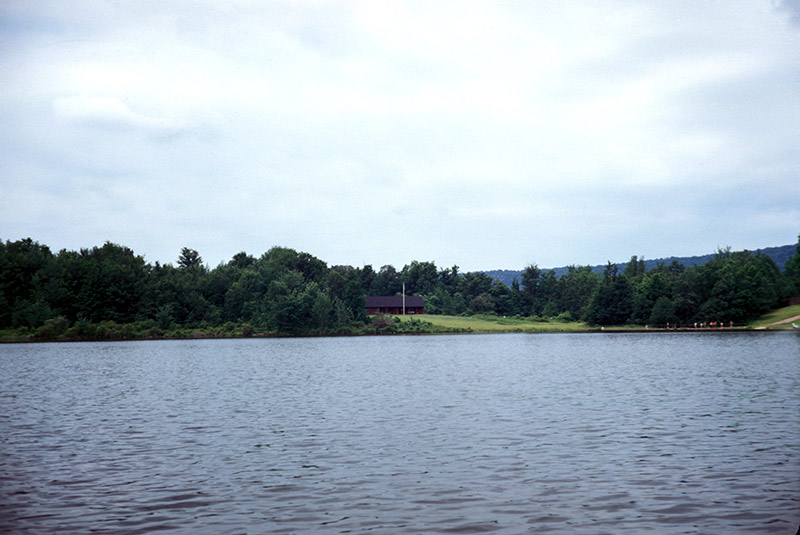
(778, 254)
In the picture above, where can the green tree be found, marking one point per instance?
(663, 313)
(547, 295)
(181, 289)
(650, 288)
(321, 308)
(611, 303)
(189, 259)
(279, 259)
(634, 269)
(242, 297)
(578, 285)
(420, 277)
(387, 282)
(367, 277)
(503, 299)
(734, 287)
(287, 304)
(26, 283)
(344, 284)
(342, 317)
(482, 303)
(242, 260)
(449, 279)
(530, 278)
(791, 274)
(105, 283)
(475, 284)
(517, 299)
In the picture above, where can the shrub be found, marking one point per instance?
(383, 323)
(565, 317)
(52, 328)
(83, 328)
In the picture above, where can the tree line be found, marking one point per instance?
(111, 291)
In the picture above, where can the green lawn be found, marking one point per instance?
(497, 324)
(778, 319)
(781, 318)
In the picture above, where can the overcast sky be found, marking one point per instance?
(487, 134)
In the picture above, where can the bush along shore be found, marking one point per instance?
(109, 292)
(58, 330)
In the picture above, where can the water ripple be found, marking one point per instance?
(453, 434)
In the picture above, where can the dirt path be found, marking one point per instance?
(787, 320)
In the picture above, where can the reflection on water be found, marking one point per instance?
(615, 433)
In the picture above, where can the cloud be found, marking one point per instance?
(109, 112)
(791, 8)
(483, 134)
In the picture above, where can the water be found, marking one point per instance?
(573, 433)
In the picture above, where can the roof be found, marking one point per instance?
(394, 301)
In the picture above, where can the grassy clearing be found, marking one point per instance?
(497, 324)
(778, 319)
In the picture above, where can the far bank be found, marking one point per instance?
(782, 319)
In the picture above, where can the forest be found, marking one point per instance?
(111, 292)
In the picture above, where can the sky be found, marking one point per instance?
(483, 134)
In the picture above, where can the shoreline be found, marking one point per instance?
(593, 330)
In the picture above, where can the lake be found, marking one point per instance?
(511, 433)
